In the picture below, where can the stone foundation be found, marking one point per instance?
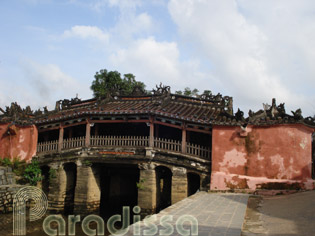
(8, 189)
(147, 189)
(57, 190)
(179, 184)
(87, 191)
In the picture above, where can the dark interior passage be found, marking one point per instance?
(193, 183)
(74, 131)
(167, 132)
(118, 188)
(45, 179)
(71, 176)
(120, 129)
(163, 187)
(50, 135)
(199, 138)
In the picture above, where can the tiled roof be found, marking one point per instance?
(174, 106)
(211, 110)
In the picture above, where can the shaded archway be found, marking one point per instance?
(71, 178)
(118, 188)
(163, 187)
(193, 183)
(45, 179)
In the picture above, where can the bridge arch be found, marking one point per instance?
(45, 169)
(70, 169)
(163, 187)
(193, 183)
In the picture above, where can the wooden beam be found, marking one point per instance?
(75, 124)
(119, 121)
(48, 129)
(198, 130)
(167, 124)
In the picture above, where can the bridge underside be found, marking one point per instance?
(85, 181)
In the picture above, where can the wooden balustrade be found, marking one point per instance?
(73, 143)
(50, 146)
(197, 150)
(167, 144)
(126, 141)
(119, 141)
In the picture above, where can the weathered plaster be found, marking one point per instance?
(21, 142)
(256, 155)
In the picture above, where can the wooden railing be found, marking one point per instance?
(197, 150)
(167, 144)
(73, 143)
(119, 141)
(126, 141)
(50, 146)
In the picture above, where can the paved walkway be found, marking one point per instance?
(217, 215)
(283, 215)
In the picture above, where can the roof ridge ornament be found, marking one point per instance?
(161, 90)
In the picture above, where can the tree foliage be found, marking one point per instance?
(109, 83)
(33, 173)
(192, 93)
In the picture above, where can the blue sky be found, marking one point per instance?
(249, 49)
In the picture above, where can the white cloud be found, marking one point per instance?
(49, 83)
(258, 51)
(153, 62)
(125, 3)
(87, 32)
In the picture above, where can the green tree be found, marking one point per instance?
(108, 83)
(33, 173)
(188, 92)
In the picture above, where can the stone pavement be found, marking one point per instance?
(217, 214)
(282, 215)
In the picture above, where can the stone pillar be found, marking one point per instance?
(204, 182)
(57, 188)
(179, 184)
(60, 142)
(87, 134)
(147, 189)
(87, 192)
(183, 139)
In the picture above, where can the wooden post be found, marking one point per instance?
(184, 139)
(87, 134)
(151, 140)
(60, 142)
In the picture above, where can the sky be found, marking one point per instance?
(252, 50)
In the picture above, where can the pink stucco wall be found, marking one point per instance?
(278, 156)
(20, 141)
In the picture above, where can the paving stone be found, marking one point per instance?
(218, 214)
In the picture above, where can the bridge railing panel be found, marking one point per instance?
(126, 141)
(50, 146)
(119, 141)
(73, 143)
(197, 150)
(167, 144)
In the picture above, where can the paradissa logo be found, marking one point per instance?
(40, 206)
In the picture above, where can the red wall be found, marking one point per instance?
(261, 155)
(21, 143)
